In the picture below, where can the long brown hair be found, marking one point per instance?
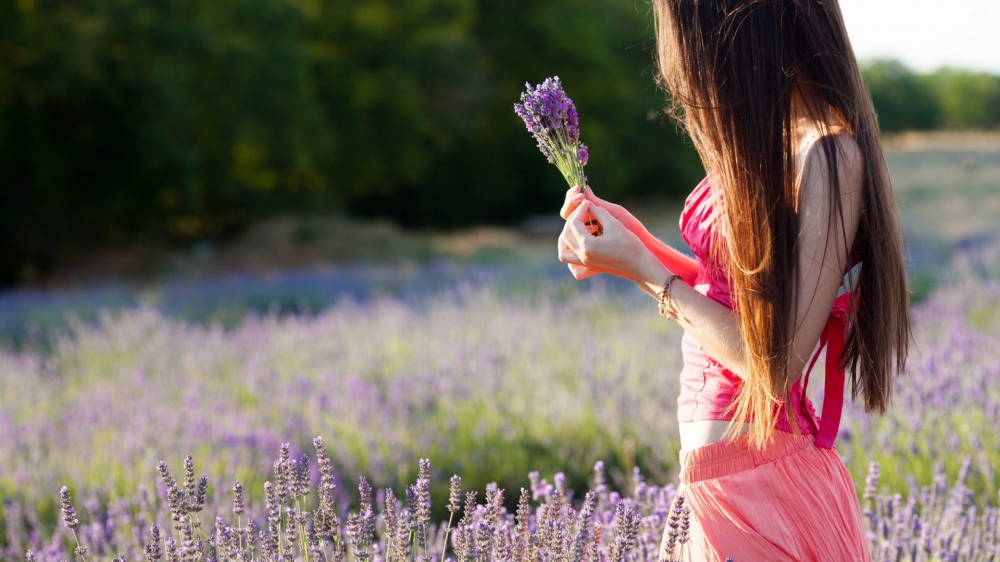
(734, 69)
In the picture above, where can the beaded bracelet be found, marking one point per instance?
(665, 295)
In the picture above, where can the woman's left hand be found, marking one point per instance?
(617, 250)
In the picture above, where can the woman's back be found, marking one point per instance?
(707, 388)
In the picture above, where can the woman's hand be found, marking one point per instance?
(617, 250)
(574, 197)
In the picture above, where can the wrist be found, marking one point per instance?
(650, 272)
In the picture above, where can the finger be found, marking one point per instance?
(602, 215)
(581, 272)
(576, 226)
(572, 200)
(568, 256)
(568, 249)
(569, 194)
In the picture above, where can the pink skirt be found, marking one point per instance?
(790, 501)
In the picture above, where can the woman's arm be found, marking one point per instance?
(675, 261)
(822, 258)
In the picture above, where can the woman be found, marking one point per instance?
(797, 195)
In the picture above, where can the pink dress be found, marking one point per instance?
(793, 500)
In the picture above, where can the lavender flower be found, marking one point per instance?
(455, 494)
(361, 525)
(583, 526)
(551, 118)
(152, 550)
(273, 520)
(170, 548)
(175, 497)
(68, 512)
(674, 526)
(626, 530)
(200, 495)
(302, 476)
(423, 498)
(871, 481)
(238, 507)
(189, 481)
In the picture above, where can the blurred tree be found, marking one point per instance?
(948, 98)
(168, 121)
(902, 100)
(968, 100)
(165, 121)
(425, 106)
(146, 122)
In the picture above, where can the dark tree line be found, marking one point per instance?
(157, 122)
(945, 99)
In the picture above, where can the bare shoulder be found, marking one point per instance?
(816, 179)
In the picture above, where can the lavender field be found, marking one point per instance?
(510, 376)
(552, 381)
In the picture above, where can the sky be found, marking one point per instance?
(926, 34)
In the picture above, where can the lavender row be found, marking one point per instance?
(302, 519)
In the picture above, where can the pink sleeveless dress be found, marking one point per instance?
(792, 500)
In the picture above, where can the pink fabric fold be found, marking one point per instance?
(791, 501)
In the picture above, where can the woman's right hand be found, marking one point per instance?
(574, 198)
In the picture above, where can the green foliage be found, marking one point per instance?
(947, 98)
(130, 123)
(125, 122)
(901, 98)
(968, 100)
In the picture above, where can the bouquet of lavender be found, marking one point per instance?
(551, 118)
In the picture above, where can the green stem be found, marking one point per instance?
(281, 525)
(302, 532)
(444, 548)
(77, 541)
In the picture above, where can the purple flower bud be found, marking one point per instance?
(152, 551)
(455, 493)
(302, 476)
(238, 508)
(189, 481)
(871, 481)
(200, 495)
(66, 506)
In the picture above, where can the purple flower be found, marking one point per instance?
(68, 513)
(238, 507)
(455, 493)
(551, 117)
(153, 551)
(871, 481)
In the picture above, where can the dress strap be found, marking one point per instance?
(833, 337)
